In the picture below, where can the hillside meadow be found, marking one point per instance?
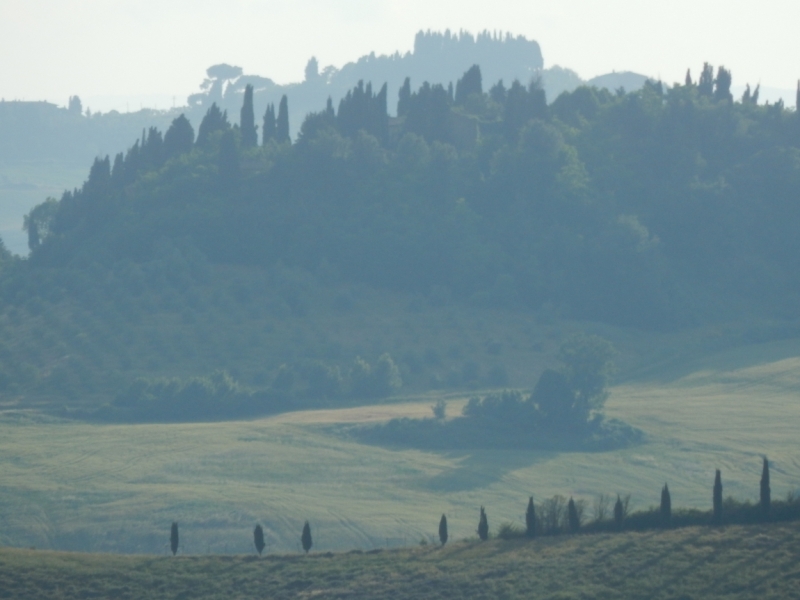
(72, 485)
(731, 562)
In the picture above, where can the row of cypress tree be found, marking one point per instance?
(573, 519)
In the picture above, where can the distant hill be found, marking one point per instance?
(626, 80)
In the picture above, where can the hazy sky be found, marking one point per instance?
(131, 49)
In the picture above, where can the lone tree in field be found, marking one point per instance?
(443, 530)
(573, 520)
(718, 497)
(258, 539)
(765, 492)
(666, 506)
(173, 538)
(530, 519)
(483, 526)
(619, 512)
(305, 539)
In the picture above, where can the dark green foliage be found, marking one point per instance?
(173, 538)
(688, 80)
(428, 113)
(247, 120)
(179, 137)
(717, 513)
(38, 222)
(215, 120)
(404, 98)
(269, 129)
(228, 160)
(258, 539)
(75, 106)
(470, 83)
(282, 122)
(362, 110)
(530, 519)
(666, 506)
(722, 89)
(443, 530)
(483, 526)
(705, 85)
(573, 519)
(305, 538)
(765, 496)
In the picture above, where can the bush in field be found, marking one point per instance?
(619, 512)
(551, 514)
(443, 530)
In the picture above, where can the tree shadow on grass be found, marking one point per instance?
(481, 468)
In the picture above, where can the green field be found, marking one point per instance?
(79, 486)
(731, 562)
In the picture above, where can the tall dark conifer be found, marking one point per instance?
(718, 497)
(173, 538)
(619, 512)
(705, 85)
(666, 506)
(404, 98)
(470, 83)
(179, 137)
(247, 120)
(688, 80)
(305, 538)
(722, 85)
(573, 520)
(530, 519)
(443, 530)
(282, 124)
(766, 499)
(483, 526)
(215, 120)
(268, 130)
(258, 539)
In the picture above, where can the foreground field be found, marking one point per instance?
(733, 562)
(77, 486)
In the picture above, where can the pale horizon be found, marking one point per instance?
(127, 55)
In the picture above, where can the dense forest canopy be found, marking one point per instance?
(667, 207)
(655, 208)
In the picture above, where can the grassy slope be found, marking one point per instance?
(734, 562)
(117, 487)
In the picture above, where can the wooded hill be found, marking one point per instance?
(669, 207)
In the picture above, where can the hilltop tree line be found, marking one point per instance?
(671, 205)
(558, 516)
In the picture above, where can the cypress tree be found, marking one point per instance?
(173, 538)
(530, 519)
(268, 130)
(282, 124)
(666, 506)
(718, 497)
(619, 512)
(258, 539)
(722, 90)
(404, 98)
(443, 530)
(179, 138)
(483, 526)
(247, 120)
(305, 538)
(470, 83)
(688, 80)
(765, 491)
(573, 520)
(705, 84)
(215, 120)
(754, 98)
